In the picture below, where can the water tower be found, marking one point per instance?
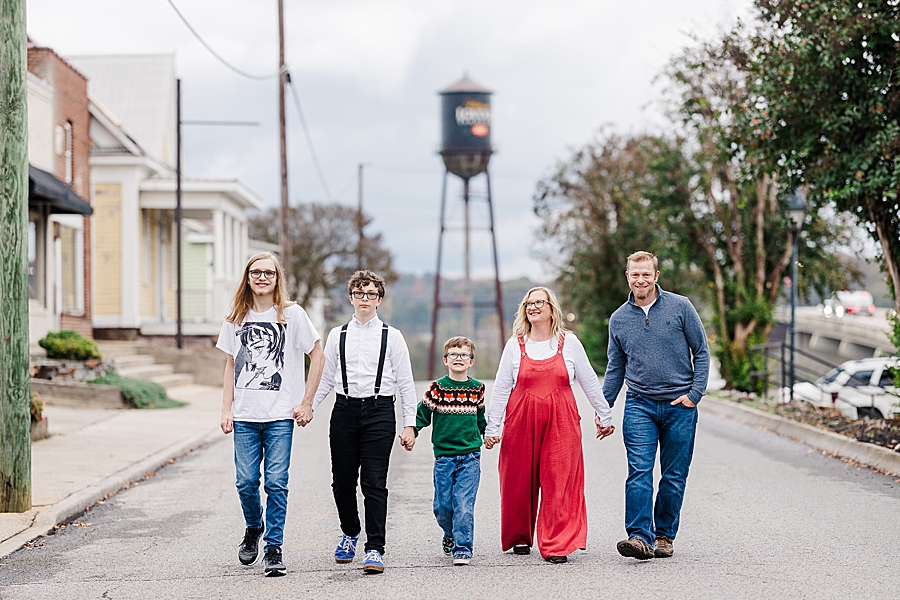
(466, 150)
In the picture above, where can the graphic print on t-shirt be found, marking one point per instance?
(258, 363)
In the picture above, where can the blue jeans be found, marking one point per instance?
(456, 480)
(646, 425)
(253, 444)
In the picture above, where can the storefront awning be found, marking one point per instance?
(46, 189)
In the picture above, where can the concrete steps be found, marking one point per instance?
(129, 362)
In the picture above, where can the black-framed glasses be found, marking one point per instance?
(538, 304)
(359, 295)
(268, 274)
(458, 355)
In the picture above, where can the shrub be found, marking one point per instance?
(139, 393)
(69, 345)
(37, 408)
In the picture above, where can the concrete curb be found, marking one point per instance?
(868, 454)
(47, 518)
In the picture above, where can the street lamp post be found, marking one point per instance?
(797, 211)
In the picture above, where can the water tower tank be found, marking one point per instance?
(466, 128)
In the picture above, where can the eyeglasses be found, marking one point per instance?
(359, 295)
(458, 355)
(538, 304)
(256, 274)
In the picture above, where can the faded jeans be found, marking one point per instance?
(456, 480)
(269, 444)
(647, 425)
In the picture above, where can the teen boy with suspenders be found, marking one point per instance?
(366, 363)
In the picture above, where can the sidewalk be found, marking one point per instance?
(94, 452)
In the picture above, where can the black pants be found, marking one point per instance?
(362, 436)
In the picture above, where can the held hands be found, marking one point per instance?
(227, 423)
(408, 438)
(602, 431)
(491, 440)
(303, 414)
(683, 400)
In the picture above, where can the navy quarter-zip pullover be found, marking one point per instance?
(661, 355)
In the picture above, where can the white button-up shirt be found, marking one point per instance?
(363, 348)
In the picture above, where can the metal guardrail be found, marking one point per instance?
(778, 352)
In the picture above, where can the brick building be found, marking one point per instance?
(59, 202)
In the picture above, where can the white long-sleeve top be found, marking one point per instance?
(363, 347)
(577, 364)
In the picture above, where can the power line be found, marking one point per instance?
(309, 142)
(213, 52)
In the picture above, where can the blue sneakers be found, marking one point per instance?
(447, 544)
(346, 550)
(374, 562)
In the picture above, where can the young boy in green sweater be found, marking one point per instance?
(454, 406)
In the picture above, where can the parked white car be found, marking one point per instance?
(869, 401)
(851, 387)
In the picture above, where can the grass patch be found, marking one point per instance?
(139, 393)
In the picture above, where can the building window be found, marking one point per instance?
(69, 241)
(68, 152)
(147, 244)
(33, 289)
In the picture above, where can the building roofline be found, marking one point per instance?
(33, 46)
(230, 187)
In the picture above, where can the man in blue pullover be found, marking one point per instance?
(652, 340)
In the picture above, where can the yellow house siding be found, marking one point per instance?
(149, 235)
(171, 279)
(108, 249)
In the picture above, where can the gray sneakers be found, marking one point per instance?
(274, 563)
(248, 551)
(635, 547)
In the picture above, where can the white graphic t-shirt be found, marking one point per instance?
(268, 362)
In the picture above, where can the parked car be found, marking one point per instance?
(868, 375)
(869, 401)
(857, 302)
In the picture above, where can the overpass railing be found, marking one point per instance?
(777, 355)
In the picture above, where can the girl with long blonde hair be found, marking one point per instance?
(266, 336)
(242, 301)
(541, 454)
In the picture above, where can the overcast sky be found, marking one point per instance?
(368, 72)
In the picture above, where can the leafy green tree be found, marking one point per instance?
(823, 98)
(595, 213)
(732, 206)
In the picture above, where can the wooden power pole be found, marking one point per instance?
(284, 237)
(15, 405)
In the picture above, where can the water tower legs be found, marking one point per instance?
(437, 282)
(468, 303)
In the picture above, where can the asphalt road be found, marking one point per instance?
(763, 517)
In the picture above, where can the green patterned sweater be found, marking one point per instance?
(456, 411)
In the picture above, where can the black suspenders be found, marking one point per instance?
(343, 355)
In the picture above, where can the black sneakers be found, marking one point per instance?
(248, 551)
(274, 565)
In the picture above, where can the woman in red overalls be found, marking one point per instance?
(541, 453)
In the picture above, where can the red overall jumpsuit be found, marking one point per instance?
(541, 451)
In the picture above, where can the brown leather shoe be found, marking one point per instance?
(635, 547)
(521, 549)
(663, 547)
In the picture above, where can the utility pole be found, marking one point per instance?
(359, 220)
(284, 237)
(15, 409)
(179, 339)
